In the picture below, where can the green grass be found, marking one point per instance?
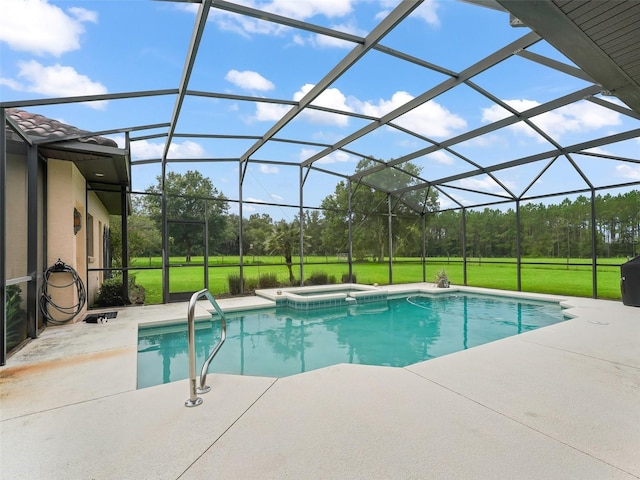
(555, 276)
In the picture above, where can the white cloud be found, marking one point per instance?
(240, 24)
(496, 112)
(574, 118)
(599, 150)
(430, 119)
(409, 143)
(487, 140)
(270, 111)
(36, 26)
(446, 202)
(254, 200)
(119, 139)
(143, 149)
(327, 41)
(441, 157)
(427, 11)
(630, 172)
(382, 14)
(297, 9)
(84, 15)
(186, 149)
(268, 169)
(306, 153)
(337, 156)
(11, 83)
(56, 81)
(277, 197)
(330, 42)
(590, 115)
(330, 98)
(249, 80)
(303, 9)
(486, 184)
(246, 208)
(326, 137)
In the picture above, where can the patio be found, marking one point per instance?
(558, 402)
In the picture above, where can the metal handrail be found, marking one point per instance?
(194, 400)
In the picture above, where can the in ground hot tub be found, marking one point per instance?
(321, 296)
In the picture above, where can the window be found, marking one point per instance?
(89, 235)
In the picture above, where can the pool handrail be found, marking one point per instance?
(194, 400)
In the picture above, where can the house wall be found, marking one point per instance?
(66, 188)
(99, 217)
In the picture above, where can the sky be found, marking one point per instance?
(68, 48)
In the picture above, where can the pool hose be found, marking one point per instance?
(47, 305)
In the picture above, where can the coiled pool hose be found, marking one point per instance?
(47, 305)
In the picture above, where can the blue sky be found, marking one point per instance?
(51, 49)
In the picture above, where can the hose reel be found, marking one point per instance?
(48, 306)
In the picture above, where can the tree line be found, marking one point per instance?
(561, 230)
(546, 230)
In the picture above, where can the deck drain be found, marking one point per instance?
(598, 322)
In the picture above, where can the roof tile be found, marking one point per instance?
(36, 125)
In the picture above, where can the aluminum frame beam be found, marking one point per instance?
(382, 29)
(497, 57)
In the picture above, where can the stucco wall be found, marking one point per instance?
(100, 219)
(66, 189)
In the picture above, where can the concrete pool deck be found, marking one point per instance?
(559, 402)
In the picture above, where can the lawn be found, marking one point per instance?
(543, 275)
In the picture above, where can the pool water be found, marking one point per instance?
(278, 342)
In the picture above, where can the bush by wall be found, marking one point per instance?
(16, 317)
(110, 293)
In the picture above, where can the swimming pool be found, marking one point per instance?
(278, 342)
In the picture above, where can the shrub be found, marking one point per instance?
(110, 293)
(268, 280)
(345, 278)
(234, 284)
(16, 316)
(442, 279)
(251, 284)
(317, 278)
(137, 293)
